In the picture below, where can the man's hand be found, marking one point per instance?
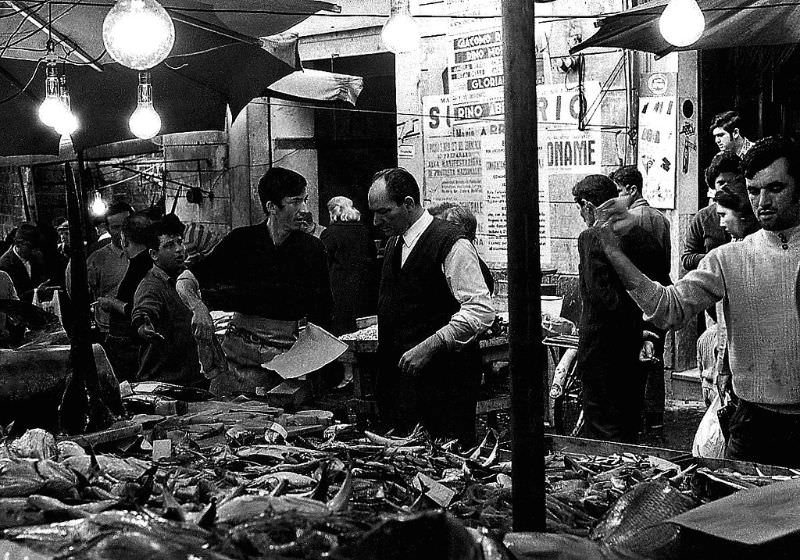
(647, 352)
(414, 360)
(608, 237)
(202, 325)
(148, 332)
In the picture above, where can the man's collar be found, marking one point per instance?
(416, 229)
(118, 251)
(641, 201)
(159, 272)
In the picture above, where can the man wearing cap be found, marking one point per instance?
(21, 263)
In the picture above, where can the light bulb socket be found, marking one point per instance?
(145, 89)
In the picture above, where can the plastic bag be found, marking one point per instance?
(709, 441)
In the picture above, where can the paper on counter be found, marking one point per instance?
(315, 347)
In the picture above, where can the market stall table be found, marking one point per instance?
(361, 363)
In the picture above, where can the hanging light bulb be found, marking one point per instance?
(51, 108)
(138, 33)
(145, 122)
(66, 122)
(682, 22)
(98, 206)
(400, 33)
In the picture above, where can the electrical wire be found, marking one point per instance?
(26, 86)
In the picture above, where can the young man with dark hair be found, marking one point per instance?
(756, 279)
(433, 304)
(161, 319)
(611, 328)
(271, 275)
(705, 232)
(725, 128)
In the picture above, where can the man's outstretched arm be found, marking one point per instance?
(667, 307)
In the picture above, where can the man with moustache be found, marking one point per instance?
(432, 305)
(756, 280)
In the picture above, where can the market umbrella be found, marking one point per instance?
(729, 23)
(214, 64)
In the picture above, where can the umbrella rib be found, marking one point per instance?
(42, 25)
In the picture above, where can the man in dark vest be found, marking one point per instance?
(433, 303)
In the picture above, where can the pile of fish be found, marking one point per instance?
(346, 494)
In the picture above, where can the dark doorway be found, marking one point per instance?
(761, 83)
(355, 142)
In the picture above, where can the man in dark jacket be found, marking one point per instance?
(432, 305)
(20, 262)
(611, 325)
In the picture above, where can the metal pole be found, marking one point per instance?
(524, 273)
(81, 406)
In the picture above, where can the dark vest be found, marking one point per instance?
(415, 300)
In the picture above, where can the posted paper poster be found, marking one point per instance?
(658, 107)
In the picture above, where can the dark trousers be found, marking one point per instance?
(613, 396)
(763, 436)
(442, 397)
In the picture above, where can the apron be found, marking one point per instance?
(249, 342)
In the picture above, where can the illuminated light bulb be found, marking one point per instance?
(145, 122)
(51, 108)
(66, 122)
(138, 33)
(98, 206)
(682, 22)
(400, 33)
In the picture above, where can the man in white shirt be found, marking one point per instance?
(433, 304)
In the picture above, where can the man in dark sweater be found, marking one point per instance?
(122, 342)
(271, 275)
(161, 319)
(432, 305)
(705, 233)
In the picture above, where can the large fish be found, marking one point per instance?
(140, 545)
(643, 507)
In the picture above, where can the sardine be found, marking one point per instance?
(293, 479)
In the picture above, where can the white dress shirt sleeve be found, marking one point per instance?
(467, 285)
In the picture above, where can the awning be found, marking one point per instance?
(319, 86)
(729, 23)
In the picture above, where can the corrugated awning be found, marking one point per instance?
(729, 23)
(319, 86)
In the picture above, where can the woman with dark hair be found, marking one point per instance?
(351, 265)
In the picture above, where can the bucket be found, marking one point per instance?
(551, 305)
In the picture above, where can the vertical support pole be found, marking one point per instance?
(524, 273)
(82, 406)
